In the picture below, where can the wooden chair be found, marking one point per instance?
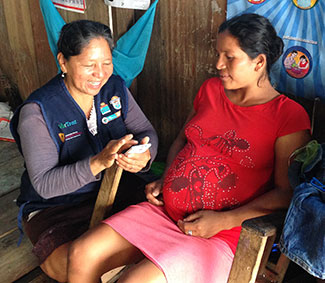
(254, 247)
(106, 195)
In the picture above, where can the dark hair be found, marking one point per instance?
(255, 35)
(76, 35)
(303, 57)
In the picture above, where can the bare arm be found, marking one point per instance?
(280, 196)
(154, 189)
(208, 223)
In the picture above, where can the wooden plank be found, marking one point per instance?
(8, 150)
(248, 257)
(20, 36)
(6, 64)
(10, 175)
(8, 212)
(180, 57)
(113, 275)
(97, 11)
(266, 254)
(275, 272)
(14, 261)
(106, 194)
(12, 167)
(266, 225)
(123, 19)
(45, 60)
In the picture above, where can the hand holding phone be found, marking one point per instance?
(140, 148)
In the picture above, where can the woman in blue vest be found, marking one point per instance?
(69, 131)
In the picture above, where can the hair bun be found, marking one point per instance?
(277, 49)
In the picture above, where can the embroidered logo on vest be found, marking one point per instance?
(67, 124)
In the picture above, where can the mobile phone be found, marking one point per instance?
(140, 148)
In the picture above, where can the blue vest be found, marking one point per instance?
(68, 128)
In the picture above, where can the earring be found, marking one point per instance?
(62, 75)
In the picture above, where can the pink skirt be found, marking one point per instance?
(182, 258)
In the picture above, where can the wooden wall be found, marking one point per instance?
(180, 57)
(24, 50)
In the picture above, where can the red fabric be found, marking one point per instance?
(229, 157)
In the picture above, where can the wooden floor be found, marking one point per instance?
(17, 264)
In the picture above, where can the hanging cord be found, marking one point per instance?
(110, 19)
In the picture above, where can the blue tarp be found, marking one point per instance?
(131, 49)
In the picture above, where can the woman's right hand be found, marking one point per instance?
(153, 192)
(107, 156)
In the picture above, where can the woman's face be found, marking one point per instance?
(87, 72)
(236, 68)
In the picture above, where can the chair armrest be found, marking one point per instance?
(266, 225)
(254, 246)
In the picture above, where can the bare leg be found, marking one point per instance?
(55, 266)
(97, 251)
(144, 271)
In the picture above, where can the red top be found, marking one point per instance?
(229, 157)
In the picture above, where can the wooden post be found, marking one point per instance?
(106, 194)
(248, 258)
(250, 263)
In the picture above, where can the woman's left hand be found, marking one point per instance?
(204, 223)
(134, 162)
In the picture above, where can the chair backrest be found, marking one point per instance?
(106, 194)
